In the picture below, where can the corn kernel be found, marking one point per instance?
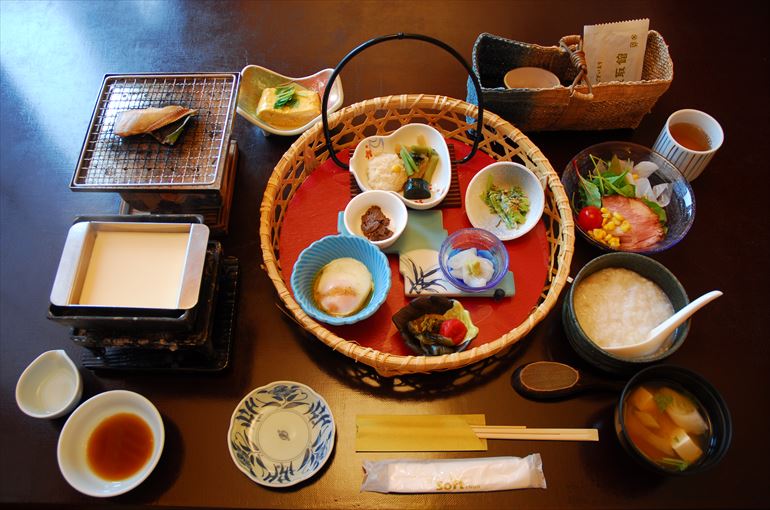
(610, 226)
(617, 217)
(614, 243)
(625, 226)
(604, 210)
(599, 233)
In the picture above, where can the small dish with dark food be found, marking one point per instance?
(435, 325)
(378, 216)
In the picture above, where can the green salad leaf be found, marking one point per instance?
(590, 193)
(607, 178)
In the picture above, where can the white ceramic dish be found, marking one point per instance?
(392, 207)
(254, 79)
(71, 451)
(50, 386)
(281, 434)
(505, 174)
(404, 136)
(530, 78)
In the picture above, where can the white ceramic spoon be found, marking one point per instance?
(660, 333)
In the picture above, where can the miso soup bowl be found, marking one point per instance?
(715, 407)
(593, 353)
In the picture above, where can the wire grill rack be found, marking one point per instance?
(111, 163)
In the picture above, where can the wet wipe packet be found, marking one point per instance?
(615, 51)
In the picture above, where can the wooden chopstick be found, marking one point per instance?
(520, 432)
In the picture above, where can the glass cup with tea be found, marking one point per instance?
(689, 140)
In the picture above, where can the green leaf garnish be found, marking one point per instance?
(663, 401)
(679, 464)
(284, 96)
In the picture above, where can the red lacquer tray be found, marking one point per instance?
(312, 214)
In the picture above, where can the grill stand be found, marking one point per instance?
(214, 206)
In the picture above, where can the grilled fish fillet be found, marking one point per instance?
(147, 120)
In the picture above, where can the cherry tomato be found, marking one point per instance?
(454, 329)
(590, 217)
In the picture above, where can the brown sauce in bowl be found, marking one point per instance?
(119, 446)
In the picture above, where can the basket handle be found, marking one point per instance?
(402, 35)
(573, 45)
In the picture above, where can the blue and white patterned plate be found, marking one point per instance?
(281, 434)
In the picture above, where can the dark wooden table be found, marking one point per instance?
(54, 55)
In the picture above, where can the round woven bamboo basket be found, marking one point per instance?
(454, 118)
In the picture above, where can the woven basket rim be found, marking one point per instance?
(556, 49)
(393, 364)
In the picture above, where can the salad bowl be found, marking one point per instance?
(254, 79)
(657, 201)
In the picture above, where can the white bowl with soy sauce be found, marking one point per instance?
(111, 443)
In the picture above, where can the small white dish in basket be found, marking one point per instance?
(254, 79)
(405, 136)
(392, 208)
(504, 175)
(530, 78)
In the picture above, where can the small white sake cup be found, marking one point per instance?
(50, 386)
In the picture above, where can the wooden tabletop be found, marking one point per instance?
(53, 58)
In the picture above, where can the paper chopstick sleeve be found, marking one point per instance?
(454, 475)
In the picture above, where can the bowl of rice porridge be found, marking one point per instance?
(617, 299)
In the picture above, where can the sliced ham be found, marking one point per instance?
(646, 229)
